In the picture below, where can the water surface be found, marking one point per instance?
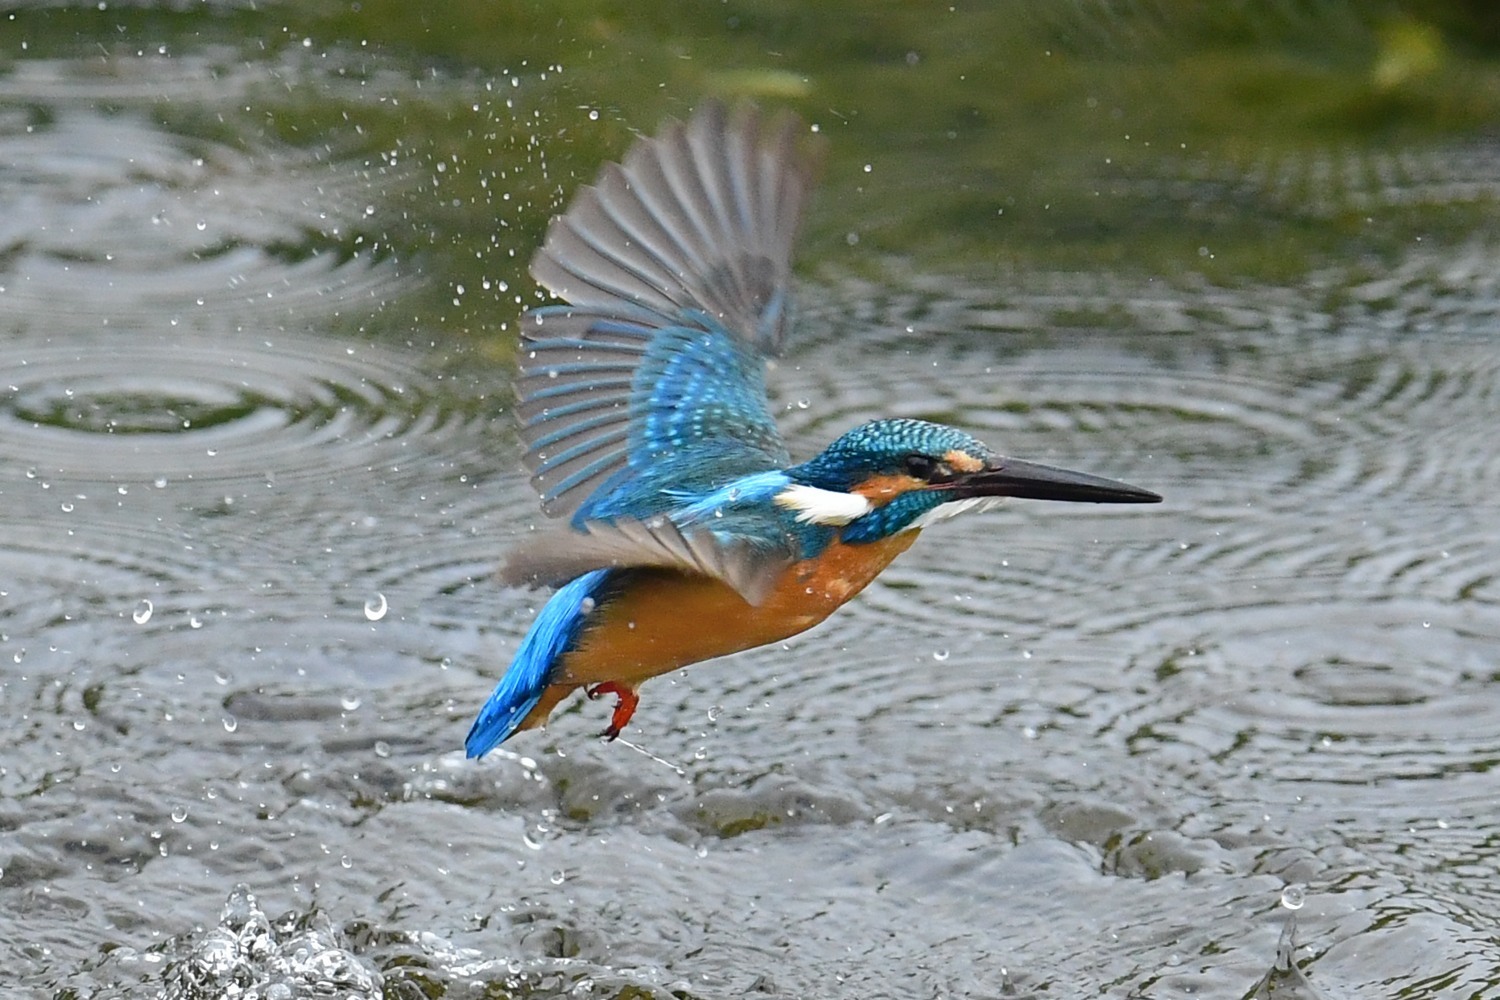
(258, 278)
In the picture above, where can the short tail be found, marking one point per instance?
(521, 688)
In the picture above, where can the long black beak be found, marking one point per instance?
(1011, 477)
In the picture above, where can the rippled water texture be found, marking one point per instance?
(247, 612)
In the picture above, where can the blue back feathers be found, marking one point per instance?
(556, 627)
(695, 416)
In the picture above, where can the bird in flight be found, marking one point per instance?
(686, 531)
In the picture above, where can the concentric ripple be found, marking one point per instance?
(1330, 183)
(1268, 416)
(184, 441)
(1330, 693)
(135, 409)
(157, 496)
(111, 222)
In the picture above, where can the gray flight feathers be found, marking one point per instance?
(700, 217)
(573, 403)
(559, 555)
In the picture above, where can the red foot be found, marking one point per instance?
(626, 700)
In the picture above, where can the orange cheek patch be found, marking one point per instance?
(962, 461)
(881, 490)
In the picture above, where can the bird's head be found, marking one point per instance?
(894, 475)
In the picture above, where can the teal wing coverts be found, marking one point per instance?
(676, 266)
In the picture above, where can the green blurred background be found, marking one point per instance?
(1238, 141)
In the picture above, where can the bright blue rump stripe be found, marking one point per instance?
(551, 635)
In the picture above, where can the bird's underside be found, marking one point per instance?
(646, 622)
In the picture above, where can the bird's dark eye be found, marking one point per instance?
(919, 467)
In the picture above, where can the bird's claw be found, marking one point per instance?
(625, 701)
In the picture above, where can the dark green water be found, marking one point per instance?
(259, 271)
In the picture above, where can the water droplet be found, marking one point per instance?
(1293, 896)
(142, 613)
(558, 877)
(231, 723)
(160, 482)
(345, 861)
(202, 225)
(714, 711)
(67, 508)
(195, 622)
(382, 748)
(376, 609)
(349, 702)
(940, 655)
(179, 814)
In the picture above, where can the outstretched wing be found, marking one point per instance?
(677, 268)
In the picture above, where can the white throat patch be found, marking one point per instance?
(826, 507)
(953, 508)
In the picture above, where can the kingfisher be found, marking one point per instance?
(685, 531)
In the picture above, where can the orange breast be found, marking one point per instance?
(665, 620)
